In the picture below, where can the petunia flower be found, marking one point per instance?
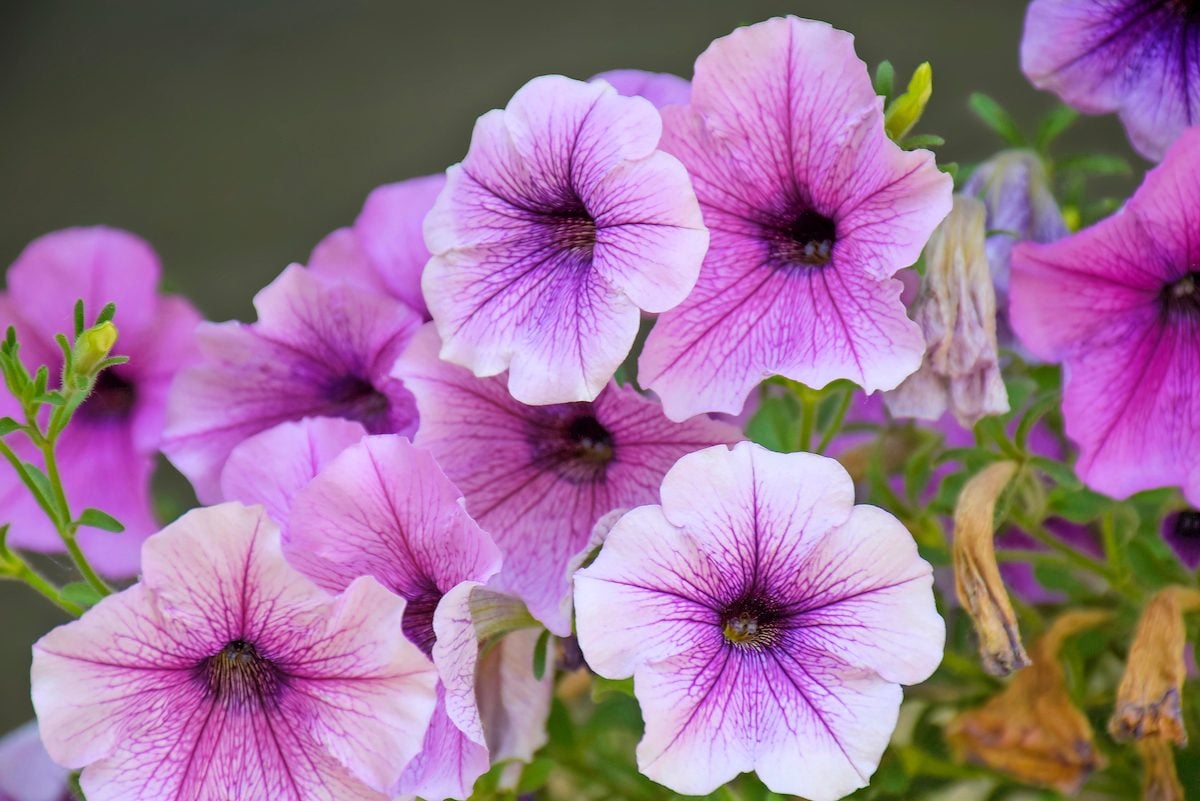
(26, 771)
(1181, 530)
(660, 88)
(226, 674)
(106, 456)
(384, 508)
(559, 227)
(539, 478)
(812, 209)
(1119, 305)
(318, 350)
(384, 251)
(767, 621)
(1134, 57)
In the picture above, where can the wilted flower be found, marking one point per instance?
(539, 478)
(1160, 780)
(106, 456)
(1181, 530)
(318, 349)
(562, 223)
(1032, 730)
(767, 621)
(384, 251)
(660, 88)
(812, 211)
(1128, 56)
(1149, 697)
(977, 581)
(1119, 305)
(226, 674)
(26, 771)
(956, 309)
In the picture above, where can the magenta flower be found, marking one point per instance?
(660, 88)
(1119, 305)
(385, 509)
(767, 622)
(1181, 530)
(559, 226)
(106, 456)
(226, 674)
(384, 251)
(1134, 57)
(812, 211)
(317, 350)
(539, 478)
(26, 771)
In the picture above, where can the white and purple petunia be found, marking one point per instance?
(1139, 58)
(812, 210)
(319, 349)
(224, 673)
(539, 478)
(767, 621)
(384, 251)
(106, 456)
(26, 771)
(562, 224)
(660, 88)
(384, 508)
(1118, 304)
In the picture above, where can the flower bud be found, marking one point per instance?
(905, 111)
(1031, 730)
(956, 309)
(977, 579)
(1149, 696)
(1160, 781)
(93, 347)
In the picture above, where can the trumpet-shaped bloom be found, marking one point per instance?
(26, 771)
(660, 88)
(226, 674)
(767, 622)
(1119, 305)
(385, 509)
(559, 227)
(1134, 57)
(812, 210)
(384, 251)
(539, 478)
(1181, 530)
(318, 349)
(106, 456)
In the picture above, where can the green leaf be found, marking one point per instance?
(534, 777)
(1054, 124)
(922, 140)
(1077, 505)
(539, 655)
(1062, 578)
(8, 425)
(106, 314)
(995, 117)
(1058, 472)
(885, 79)
(38, 481)
(774, 424)
(602, 687)
(79, 318)
(94, 518)
(81, 593)
(1095, 164)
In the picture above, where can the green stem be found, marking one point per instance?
(808, 416)
(24, 573)
(1039, 533)
(835, 425)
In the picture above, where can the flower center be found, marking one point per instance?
(592, 442)
(1182, 297)
(238, 675)
(418, 618)
(1187, 525)
(355, 398)
(806, 241)
(112, 398)
(751, 623)
(574, 231)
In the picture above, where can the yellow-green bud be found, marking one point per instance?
(93, 347)
(905, 111)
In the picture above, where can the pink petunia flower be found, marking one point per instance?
(226, 674)
(318, 349)
(106, 456)
(1134, 57)
(539, 478)
(767, 621)
(559, 227)
(660, 88)
(385, 509)
(812, 210)
(26, 771)
(384, 251)
(1119, 305)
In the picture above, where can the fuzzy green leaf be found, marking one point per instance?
(94, 518)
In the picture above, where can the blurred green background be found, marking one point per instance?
(234, 134)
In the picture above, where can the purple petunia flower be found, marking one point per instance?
(1135, 57)
(767, 622)
(318, 349)
(384, 251)
(106, 456)
(812, 211)
(1119, 305)
(660, 88)
(385, 509)
(226, 674)
(1181, 530)
(539, 478)
(562, 223)
(26, 771)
